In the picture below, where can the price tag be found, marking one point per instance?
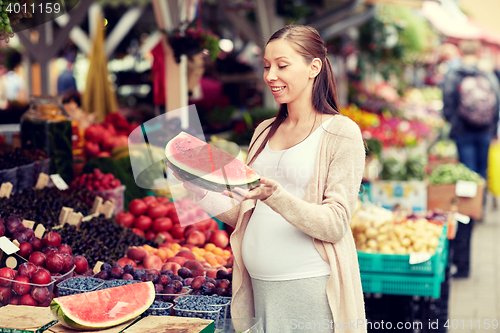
(107, 209)
(75, 219)
(419, 257)
(461, 218)
(96, 207)
(39, 231)
(59, 182)
(97, 267)
(42, 182)
(64, 214)
(5, 190)
(11, 262)
(465, 189)
(28, 224)
(7, 246)
(160, 239)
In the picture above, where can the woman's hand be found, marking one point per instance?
(266, 188)
(198, 191)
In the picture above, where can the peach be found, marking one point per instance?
(152, 261)
(179, 260)
(136, 253)
(168, 245)
(186, 254)
(219, 238)
(196, 237)
(173, 266)
(212, 272)
(126, 261)
(193, 265)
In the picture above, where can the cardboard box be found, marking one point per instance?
(411, 194)
(443, 196)
(25, 319)
(171, 324)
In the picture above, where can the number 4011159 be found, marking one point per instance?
(39, 8)
(472, 324)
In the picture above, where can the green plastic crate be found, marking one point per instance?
(413, 283)
(397, 263)
(402, 284)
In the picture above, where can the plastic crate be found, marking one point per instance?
(397, 263)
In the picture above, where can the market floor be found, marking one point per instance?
(475, 301)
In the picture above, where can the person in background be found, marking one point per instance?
(66, 82)
(295, 259)
(13, 84)
(471, 105)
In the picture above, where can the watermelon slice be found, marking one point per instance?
(206, 166)
(103, 308)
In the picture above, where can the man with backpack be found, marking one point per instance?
(471, 105)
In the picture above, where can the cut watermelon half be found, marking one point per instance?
(103, 308)
(207, 166)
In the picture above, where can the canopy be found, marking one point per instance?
(455, 26)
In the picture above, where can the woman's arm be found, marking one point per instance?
(331, 220)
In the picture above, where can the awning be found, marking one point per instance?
(455, 26)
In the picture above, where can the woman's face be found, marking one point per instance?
(286, 72)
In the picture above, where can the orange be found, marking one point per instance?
(162, 253)
(218, 251)
(170, 253)
(202, 251)
(212, 261)
(210, 247)
(175, 246)
(226, 253)
(219, 259)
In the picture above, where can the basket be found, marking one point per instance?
(63, 290)
(25, 177)
(224, 307)
(9, 290)
(396, 263)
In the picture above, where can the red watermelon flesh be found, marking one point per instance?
(207, 166)
(103, 308)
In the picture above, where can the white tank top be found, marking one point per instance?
(272, 248)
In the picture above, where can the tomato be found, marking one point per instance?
(157, 210)
(149, 200)
(167, 235)
(91, 149)
(125, 219)
(143, 222)
(137, 207)
(138, 232)
(163, 200)
(162, 224)
(178, 231)
(94, 133)
(150, 235)
(173, 216)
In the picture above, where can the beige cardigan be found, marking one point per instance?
(324, 213)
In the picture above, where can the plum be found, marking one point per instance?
(25, 249)
(116, 271)
(7, 275)
(208, 288)
(184, 272)
(52, 239)
(38, 258)
(40, 294)
(21, 285)
(27, 300)
(81, 264)
(13, 224)
(42, 276)
(27, 269)
(54, 262)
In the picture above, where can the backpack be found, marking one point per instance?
(477, 100)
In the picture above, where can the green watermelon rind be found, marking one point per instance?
(210, 185)
(65, 320)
